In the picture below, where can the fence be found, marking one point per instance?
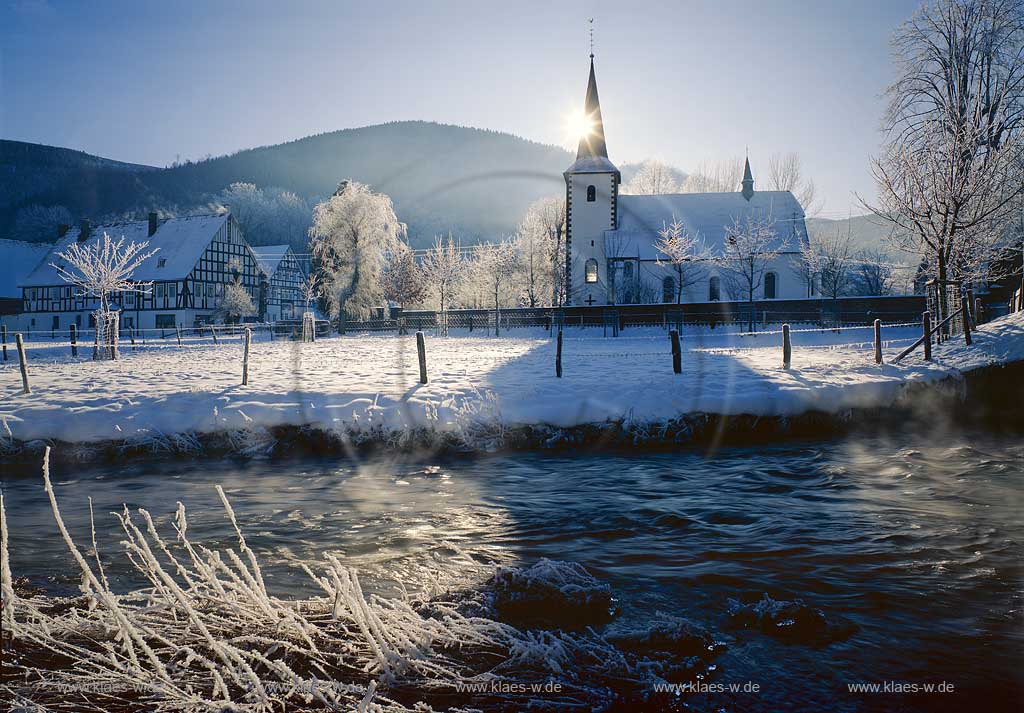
(845, 311)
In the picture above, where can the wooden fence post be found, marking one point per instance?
(245, 357)
(965, 317)
(177, 330)
(558, 354)
(3, 338)
(421, 352)
(24, 364)
(131, 335)
(213, 333)
(878, 341)
(677, 352)
(977, 311)
(926, 328)
(787, 347)
(96, 341)
(74, 340)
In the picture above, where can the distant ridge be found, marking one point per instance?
(475, 182)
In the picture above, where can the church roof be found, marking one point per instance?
(592, 145)
(181, 241)
(706, 215)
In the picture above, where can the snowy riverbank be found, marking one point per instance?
(365, 387)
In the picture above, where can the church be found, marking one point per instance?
(611, 239)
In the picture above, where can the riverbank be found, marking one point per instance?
(486, 393)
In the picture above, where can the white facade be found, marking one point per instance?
(611, 253)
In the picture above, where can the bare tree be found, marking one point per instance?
(872, 273)
(714, 177)
(751, 245)
(310, 287)
(443, 270)
(954, 163)
(652, 178)
(101, 269)
(828, 260)
(786, 173)
(403, 279)
(686, 254)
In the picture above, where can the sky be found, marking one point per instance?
(683, 81)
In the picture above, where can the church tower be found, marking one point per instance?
(591, 193)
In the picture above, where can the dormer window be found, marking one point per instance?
(161, 262)
(591, 194)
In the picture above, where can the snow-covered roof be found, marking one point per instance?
(703, 214)
(270, 256)
(181, 242)
(17, 260)
(592, 164)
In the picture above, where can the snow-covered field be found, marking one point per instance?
(361, 382)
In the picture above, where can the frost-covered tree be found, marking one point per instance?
(541, 245)
(267, 216)
(751, 245)
(39, 223)
(686, 254)
(714, 177)
(236, 302)
(404, 283)
(953, 165)
(496, 264)
(786, 173)
(652, 178)
(443, 270)
(101, 269)
(353, 231)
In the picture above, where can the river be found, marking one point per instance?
(914, 543)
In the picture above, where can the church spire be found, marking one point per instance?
(748, 180)
(592, 144)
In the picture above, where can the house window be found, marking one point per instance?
(591, 194)
(770, 280)
(159, 292)
(668, 289)
(161, 262)
(714, 290)
(590, 271)
(165, 321)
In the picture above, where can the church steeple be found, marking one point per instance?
(592, 145)
(748, 180)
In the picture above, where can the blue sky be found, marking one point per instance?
(683, 81)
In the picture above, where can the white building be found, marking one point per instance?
(611, 239)
(197, 258)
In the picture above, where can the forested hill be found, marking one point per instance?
(440, 177)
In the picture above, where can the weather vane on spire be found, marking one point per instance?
(591, 21)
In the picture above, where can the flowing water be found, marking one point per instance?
(916, 544)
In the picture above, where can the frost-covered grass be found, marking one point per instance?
(205, 634)
(366, 386)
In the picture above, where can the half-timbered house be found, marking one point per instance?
(285, 276)
(196, 258)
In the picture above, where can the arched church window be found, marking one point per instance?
(770, 283)
(590, 271)
(591, 194)
(668, 289)
(714, 290)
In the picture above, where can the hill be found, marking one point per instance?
(867, 232)
(475, 182)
